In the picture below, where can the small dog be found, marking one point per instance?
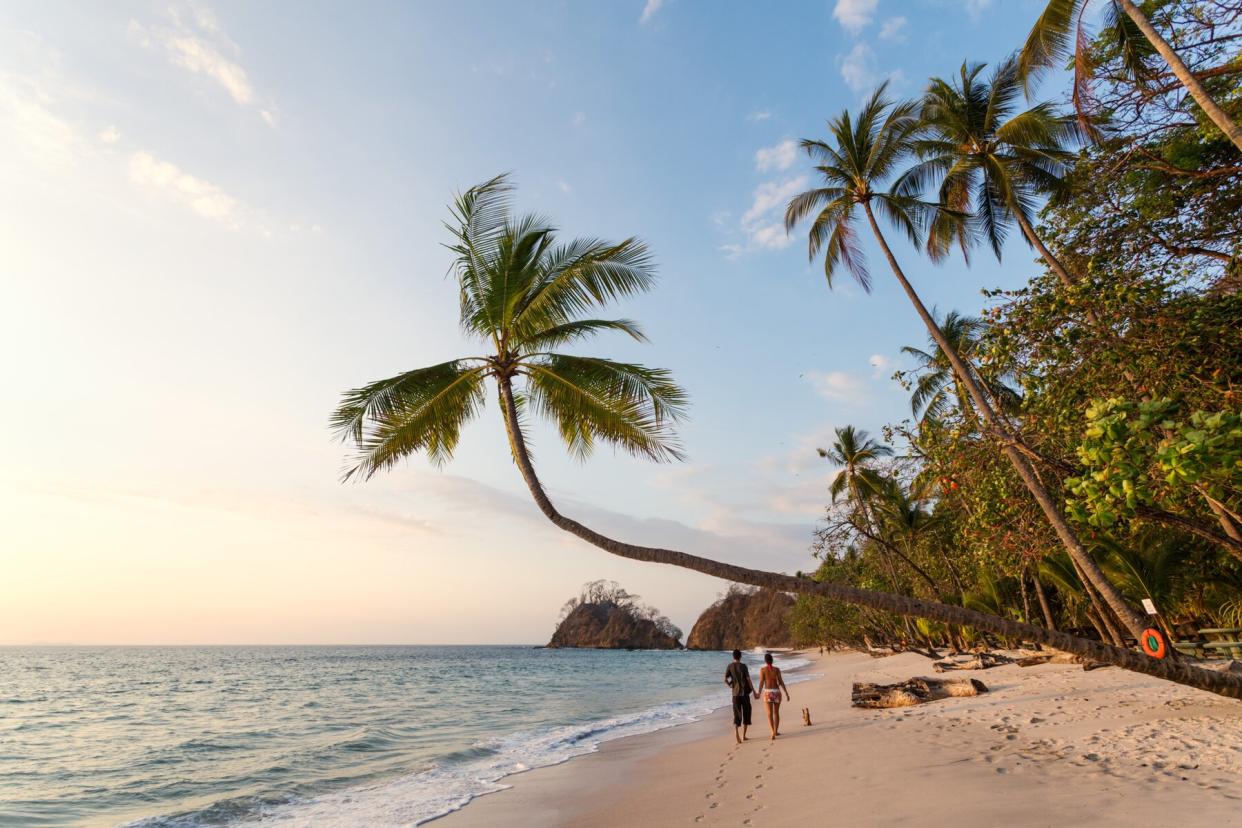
(806, 717)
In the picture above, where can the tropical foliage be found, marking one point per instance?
(1076, 448)
(1119, 386)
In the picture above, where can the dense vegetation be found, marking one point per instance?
(1080, 440)
(1114, 372)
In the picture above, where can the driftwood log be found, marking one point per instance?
(977, 661)
(913, 691)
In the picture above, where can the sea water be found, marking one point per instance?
(159, 737)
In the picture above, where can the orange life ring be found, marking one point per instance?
(1153, 643)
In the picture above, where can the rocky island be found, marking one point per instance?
(605, 616)
(744, 618)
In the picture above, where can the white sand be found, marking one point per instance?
(1050, 745)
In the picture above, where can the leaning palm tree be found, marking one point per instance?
(991, 162)
(523, 295)
(865, 152)
(937, 389)
(1060, 25)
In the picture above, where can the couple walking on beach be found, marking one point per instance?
(771, 683)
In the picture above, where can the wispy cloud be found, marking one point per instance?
(650, 10)
(759, 115)
(761, 223)
(836, 386)
(197, 42)
(854, 15)
(578, 119)
(780, 157)
(879, 364)
(770, 195)
(976, 8)
(110, 135)
(169, 181)
(40, 135)
(859, 71)
(893, 29)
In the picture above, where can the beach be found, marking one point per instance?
(1048, 745)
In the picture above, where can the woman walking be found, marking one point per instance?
(771, 683)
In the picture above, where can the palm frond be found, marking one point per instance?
(420, 410)
(629, 406)
(581, 275)
(480, 215)
(576, 330)
(1049, 40)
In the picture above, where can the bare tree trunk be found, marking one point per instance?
(1026, 596)
(1060, 525)
(1053, 262)
(1180, 672)
(1184, 75)
(1226, 520)
(1044, 606)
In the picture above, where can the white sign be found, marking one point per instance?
(1149, 606)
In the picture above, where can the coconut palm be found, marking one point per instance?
(523, 295)
(937, 389)
(854, 451)
(864, 153)
(991, 162)
(1060, 25)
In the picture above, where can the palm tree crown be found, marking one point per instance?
(855, 450)
(991, 161)
(864, 153)
(937, 389)
(524, 295)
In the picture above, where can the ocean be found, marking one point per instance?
(184, 737)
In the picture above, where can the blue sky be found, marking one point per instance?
(217, 217)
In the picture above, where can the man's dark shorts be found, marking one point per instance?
(741, 710)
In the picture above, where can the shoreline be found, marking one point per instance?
(1048, 744)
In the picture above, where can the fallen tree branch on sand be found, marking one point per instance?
(913, 691)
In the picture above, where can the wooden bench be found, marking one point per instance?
(1234, 647)
(1222, 640)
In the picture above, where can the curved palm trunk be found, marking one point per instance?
(1132, 620)
(1184, 75)
(1053, 262)
(1181, 672)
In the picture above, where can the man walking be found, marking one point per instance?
(737, 676)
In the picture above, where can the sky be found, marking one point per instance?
(215, 218)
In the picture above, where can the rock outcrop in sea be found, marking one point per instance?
(744, 618)
(605, 616)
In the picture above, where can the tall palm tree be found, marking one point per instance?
(938, 389)
(854, 451)
(991, 162)
(523, 295)
(1060, 25)
(866, 152)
